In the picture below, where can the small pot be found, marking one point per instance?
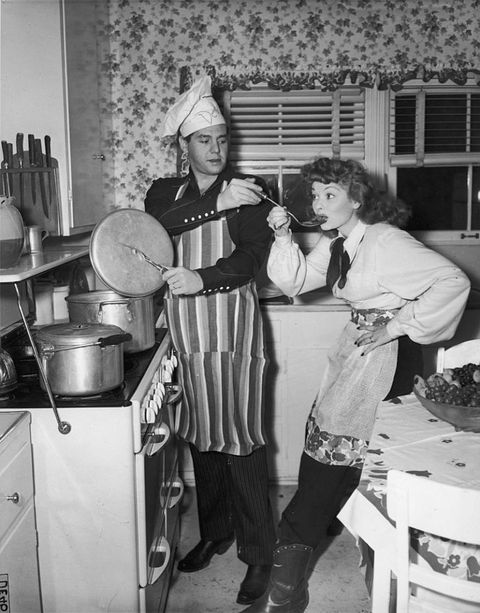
(81, 359)
(132, 315)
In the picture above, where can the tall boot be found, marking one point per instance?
(287, 590)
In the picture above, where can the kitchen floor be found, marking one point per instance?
(336, 584)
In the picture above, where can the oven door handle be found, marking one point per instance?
(177, 489)
(158, 560)
(174, 391)
(156, 439)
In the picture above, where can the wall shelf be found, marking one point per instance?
(37, 263)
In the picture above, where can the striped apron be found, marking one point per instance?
(219, 342)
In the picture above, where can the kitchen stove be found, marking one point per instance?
(107, 493)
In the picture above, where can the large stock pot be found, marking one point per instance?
(132, 315)
(81, 359)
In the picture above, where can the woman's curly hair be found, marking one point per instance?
(356, 181)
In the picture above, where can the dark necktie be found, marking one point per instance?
(339, 264)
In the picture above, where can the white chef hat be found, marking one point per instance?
(194, 110)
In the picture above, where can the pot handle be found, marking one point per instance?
(115, 339)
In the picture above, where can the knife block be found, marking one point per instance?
(36, 191)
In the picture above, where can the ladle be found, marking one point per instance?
(312, 223)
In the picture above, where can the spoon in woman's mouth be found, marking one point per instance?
(311, 223)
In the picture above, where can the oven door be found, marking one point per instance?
(158, 486)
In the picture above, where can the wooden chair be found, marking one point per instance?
(444, 510)
(458, 355)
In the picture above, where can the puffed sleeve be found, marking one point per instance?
(292, 271)
(436, 289)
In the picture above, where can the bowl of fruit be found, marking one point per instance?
(453, 395)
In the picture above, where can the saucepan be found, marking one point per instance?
(134, 315)
(81, 359)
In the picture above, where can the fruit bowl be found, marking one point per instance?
(462, 417)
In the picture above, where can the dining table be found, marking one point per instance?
(407, 437)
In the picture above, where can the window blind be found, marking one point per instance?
(434, 126)
(267, 124)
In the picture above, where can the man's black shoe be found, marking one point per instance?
(199, 557)
(254, 584)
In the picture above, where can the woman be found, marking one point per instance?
(402, 295)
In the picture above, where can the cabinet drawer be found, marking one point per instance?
(18, 566)
(16, 483)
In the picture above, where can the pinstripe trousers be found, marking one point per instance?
(232, 498)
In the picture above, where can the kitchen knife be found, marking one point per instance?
(20, 166)
(10, 166)
(41, 176)
(31, 160)
(5, 166)
(48, 163)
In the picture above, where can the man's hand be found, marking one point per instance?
(239, 192)
(183, 281)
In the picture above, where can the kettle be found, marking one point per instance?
(8, 373)
(12, 233)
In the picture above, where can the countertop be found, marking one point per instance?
(322, 300)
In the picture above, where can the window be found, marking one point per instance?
(435, 148)
(273, 133)
(267, 124)
(422, 144)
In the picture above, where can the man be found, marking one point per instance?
(217, 219)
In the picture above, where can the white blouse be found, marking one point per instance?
(389, 270)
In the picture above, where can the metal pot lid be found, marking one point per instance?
(114, 260)
(75, 334)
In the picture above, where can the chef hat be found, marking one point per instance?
(194, 110)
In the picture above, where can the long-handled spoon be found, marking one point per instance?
(312, 223)
(145, 257)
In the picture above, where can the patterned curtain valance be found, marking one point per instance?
(330, 81)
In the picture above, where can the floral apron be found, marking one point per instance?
(342, 415)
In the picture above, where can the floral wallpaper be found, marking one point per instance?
(287, 43)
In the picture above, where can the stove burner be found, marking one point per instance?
(130, 362)
(87, 397)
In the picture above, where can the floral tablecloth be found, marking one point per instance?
(407, 437)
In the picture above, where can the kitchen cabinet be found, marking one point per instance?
(50, 53)
(298, 340)
(19, 576)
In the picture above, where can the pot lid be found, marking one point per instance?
(112, 253)
(76, 334)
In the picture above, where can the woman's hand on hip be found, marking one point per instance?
(183, 281)
(370, 338)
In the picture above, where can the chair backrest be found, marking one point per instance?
(458, 355)
(436, 508)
